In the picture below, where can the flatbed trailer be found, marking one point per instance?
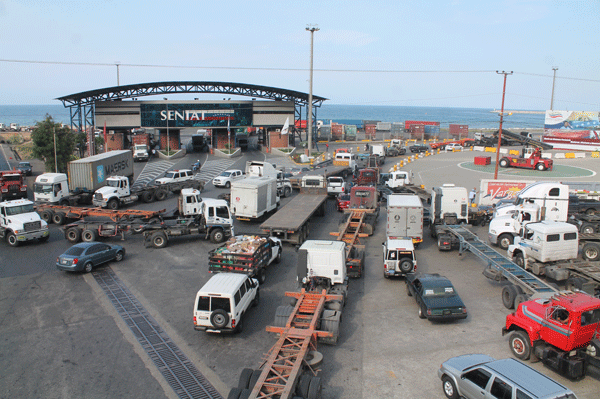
(290, 368)
(91, 230)
(60, 214)
(351, 231)
(523, 284)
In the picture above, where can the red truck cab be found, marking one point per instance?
(12, 185)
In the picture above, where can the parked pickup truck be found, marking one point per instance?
(246, 254)
(580, 205)
(336, 185)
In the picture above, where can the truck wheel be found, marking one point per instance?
(113, 204)
(161, 195)
(282, 313)
(287, 192)
(334, 305)
(47, 216)
(147, 196)
(519, 345)
(587, 228)
(234, 393)
(89, 235)
(406, 265)
(159, 239)
(217, 236)
(449, 388)
(11, 239)
(59, 218)
(590, 212)
(262, 275)
(505, 240)
(254, 379)
(540, 166)
(509, 292)
(314, 389)
(278, 258)
(504, 163)
(256, 300)
(74, 235)
(519, 299)
(227, 184)
(591, 251)
(219, 318)
(574, 283)
(245, 378)
(64, 202)
(519, 260)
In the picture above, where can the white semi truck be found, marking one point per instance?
(19, 222)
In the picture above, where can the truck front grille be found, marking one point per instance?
(32, 226)
(98, 196)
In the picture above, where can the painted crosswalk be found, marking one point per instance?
(152, 171)
(213, 168)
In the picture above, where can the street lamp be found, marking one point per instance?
(553, 79)
(311, 29)
(117, 63)
(501, 118)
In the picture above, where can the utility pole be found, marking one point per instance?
(55, 160)
(501, 118)
(311, 29)
(117, 64)
(553, 79)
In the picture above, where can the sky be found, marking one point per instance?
(410, 53)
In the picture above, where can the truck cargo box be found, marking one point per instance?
(253, 196)
(90, 173)
(404, 217)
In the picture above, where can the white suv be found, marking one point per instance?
(225, 178)
(175, 176)
(221, 303)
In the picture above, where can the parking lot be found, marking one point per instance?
(62, 337)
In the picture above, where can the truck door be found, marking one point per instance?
(556, 326)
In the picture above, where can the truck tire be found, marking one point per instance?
(449, 388)
(406, 265)
(303, 385)
(587, 228)
(287, 192)
(47, 216)
(519, 260)
(590, 212)
(282, 313)
(519, 299)
(159, 239)
(234, 393)
(89, 235)
(11, 239)
(73, 235)
(591, 251)
(217, 236)
(314, 389)
(277, 259)
(504, 163)
(59, 218)
(244, 380)
(256, 299)
(509, 293)
(574, 283)
(334, 305)
(540, 166)
(147, 196)
(262, 275)
(519, 345)
(113, 204)
(505, 240)
(254, 379)
(219, 318)
(161, 195)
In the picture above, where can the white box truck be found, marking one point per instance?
(254, 197)
(405, 217)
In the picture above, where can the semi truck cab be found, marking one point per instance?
(50, 188)
(19, 222)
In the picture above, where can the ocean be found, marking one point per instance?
(475, 118)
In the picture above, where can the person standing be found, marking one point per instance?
(327, 146)
(472, 195)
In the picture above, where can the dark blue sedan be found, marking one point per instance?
(87, 255)
(436, 297)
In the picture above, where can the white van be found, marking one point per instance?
(221, 303)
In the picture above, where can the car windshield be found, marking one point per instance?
(17, 210)
(74, 251)
(23, 165)
(225, 174)
(442, 291)
(170, 175)
(112, 183)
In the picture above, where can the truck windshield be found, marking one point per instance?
(112, 183)
(17, 210)
(8, 178)
(140, 147)
(42, 188)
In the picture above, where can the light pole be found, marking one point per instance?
(501, 118)
(553, 79)
(311, 29)
(117, 63)
(55, 160)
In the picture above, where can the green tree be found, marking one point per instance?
(43, 144)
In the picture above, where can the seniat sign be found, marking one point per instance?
(207, 115)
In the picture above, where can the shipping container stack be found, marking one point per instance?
(396, 129)
(337, 131)
(350, 132)
(458, 131)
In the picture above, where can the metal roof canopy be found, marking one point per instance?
(82, 104)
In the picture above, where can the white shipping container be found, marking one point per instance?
(253, 196)
(404, 217)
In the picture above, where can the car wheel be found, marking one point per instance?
(228, 184)
(11, 239)
(287, 192)
(505, 240)
(219, 318)
(406, 265)
(421, 312)
(88, 267)
(408, 290)
(88, 235)
(239, 327)
(449, 388)
(519, 345)
(74, 235)
(119, 256)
